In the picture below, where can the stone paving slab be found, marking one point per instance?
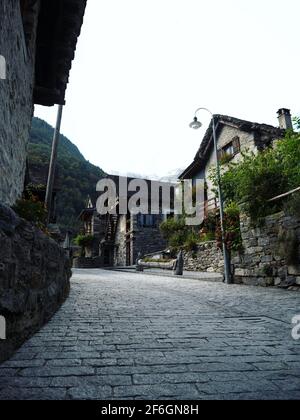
(135, 336)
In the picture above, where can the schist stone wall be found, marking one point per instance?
(16, 105)
(120, 242)
(247, 143)
(147, 239)
(270, 257)
(207, 257)
(34, 279)
(271, 252)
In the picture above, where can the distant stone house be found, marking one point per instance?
(120, 238)
(37, 44)
(234, 136)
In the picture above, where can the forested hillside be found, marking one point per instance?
(76, 177)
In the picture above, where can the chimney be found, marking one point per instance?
(285, 119)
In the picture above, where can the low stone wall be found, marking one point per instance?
(207, 257)
(169, 265)
(263, 262)
(85, 262)
(34, 279)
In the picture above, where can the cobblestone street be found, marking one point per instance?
(135, 336)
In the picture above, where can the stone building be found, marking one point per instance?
(37, 54)
(234, 137)
(37, 44)
(120, 238)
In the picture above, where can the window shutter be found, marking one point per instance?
(236, 145)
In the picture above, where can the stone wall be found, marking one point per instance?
(120, 242)
(147, 240)
(142, 239)
(267, 259)
(206, 257)
(34, 279)
(85, 262)
(16, 105)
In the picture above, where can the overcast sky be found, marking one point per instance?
(142, 67)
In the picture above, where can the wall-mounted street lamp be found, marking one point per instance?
(196, 125)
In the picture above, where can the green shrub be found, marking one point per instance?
(292, 205)
(207, 237)
(210, 223)
(233, 238)
(179, 235)
(260, 177)
(191, 241)
(171, 226)
(84, 241)
(32, 210)
(174, 230)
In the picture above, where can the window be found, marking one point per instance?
(147, 220)
(230, 149)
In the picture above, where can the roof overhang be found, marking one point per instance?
(269, 132)
(59, 27)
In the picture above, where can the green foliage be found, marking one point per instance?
(208, 237)
(232, 210)
(296, 121)
(77, 178)
(32, 210)
(210, 223)
(191, 241)
(288, 157)
(292, 205)
(258, 178)
(84, 241)
(233, 238)
(179, 235)
(173, 226)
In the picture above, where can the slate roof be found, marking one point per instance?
(264, 135)
(59, 26)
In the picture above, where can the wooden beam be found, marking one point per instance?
(284, 195)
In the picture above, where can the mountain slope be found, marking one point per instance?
(76, 177)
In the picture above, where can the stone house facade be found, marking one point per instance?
(234, 137)
(37, 55)
(120, 238)
(37, 42)
(18, 47)
(271, 251)
(137, 234)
